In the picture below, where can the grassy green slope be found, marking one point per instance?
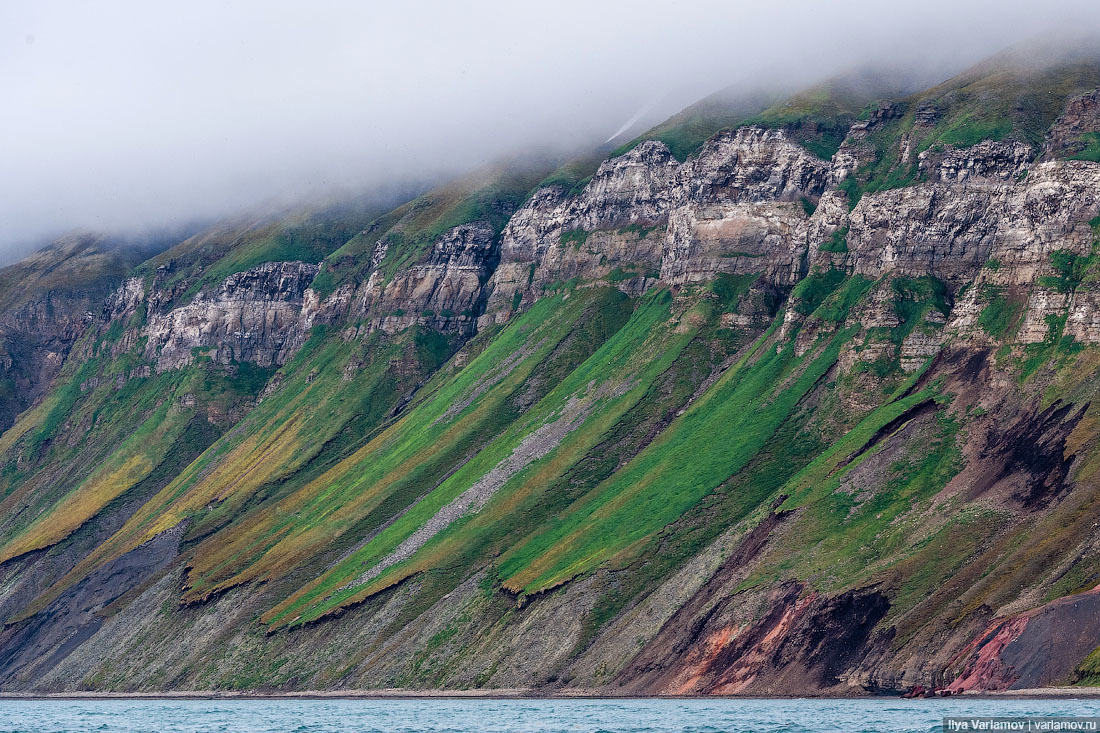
(686, 131)
(329, 400)
(308, 421)
(491, 195)
(102, 432)
(69, 266)
(307, 235)
(817, 117)
(1006, 98)
(588, 524)
(608, 384)
(106, 427)
(616, 433)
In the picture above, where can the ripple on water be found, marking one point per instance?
(513, 716)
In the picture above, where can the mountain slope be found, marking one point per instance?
(45, 303)
(803, 405)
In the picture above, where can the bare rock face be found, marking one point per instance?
(988, 222)
(988, 159)
(52, 318)
(735, 207)
(1068, 136)
(703, 241)
(634, 188)
(263, 315)
(856, 149)
(444, 291)
(47, 302)
(256, 316)
(741, 205)
(751, 164)
(126, 299)
(1083, 317)
(950, 231)
(547, 240)
(739, 208)
(927, 114)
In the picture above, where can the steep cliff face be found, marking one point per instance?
(1075, 133)
(740, 208)
(644, 216)
(803, 406)
(444, 291)
(258, 316)
(547, 241)
(46, 303)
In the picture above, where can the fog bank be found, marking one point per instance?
(120, 115)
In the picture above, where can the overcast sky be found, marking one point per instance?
(127, 114)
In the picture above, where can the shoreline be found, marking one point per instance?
(1047, 693)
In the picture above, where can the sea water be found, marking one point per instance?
(519, 716)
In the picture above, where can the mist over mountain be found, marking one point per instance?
(127, 115)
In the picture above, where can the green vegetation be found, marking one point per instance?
(1056, 348)
(730, 289)
(815, 288)
(837, 241)
(639, 230)
(619, 274)
(1091, 150)
(71, 267)
(490, 198)
(838, 305)
(205, 261)
(281, 442)
(1070, 269)
(817, 119)
(575, 237)
(993, 102)
(739, 415)
(746, 432)
(419, 447)
(1087, 673)
(574, 175)
(1001, 313)
(686, 132)
(841, 535)
(408, 232)
(967, 130)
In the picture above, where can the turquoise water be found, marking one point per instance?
(518, 716)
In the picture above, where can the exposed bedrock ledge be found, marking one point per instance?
(643, 215)
(444, 291)
(257, 316)
(951, 231)
(1068, 136)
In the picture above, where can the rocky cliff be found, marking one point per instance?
(46, 303)
(258, 316)
(803, 407)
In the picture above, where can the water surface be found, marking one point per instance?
(518, 716)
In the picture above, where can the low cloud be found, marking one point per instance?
(123, 115)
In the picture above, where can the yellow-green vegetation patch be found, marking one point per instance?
(131, 463)
(409, 231)
(283, 434)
